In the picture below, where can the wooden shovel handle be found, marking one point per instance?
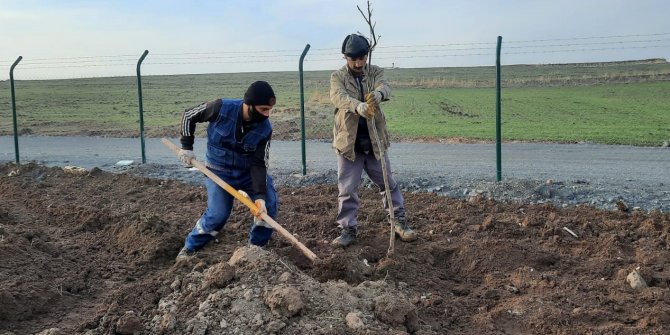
(246, 201)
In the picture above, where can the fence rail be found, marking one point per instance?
(102, 106)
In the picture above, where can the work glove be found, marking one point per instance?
(363, 109)
(260, 208)
(260, 205)
(186, 156)
(376, 95)
(372, 102)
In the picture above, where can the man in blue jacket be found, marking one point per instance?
(238, 145)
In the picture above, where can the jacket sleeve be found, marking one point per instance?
(381, 85)
(259, 169)
(338, 93)
(204, 112)
(340, 97)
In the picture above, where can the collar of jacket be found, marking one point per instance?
(366, 69)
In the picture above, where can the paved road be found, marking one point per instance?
(605, 164)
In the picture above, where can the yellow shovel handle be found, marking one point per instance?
(246, 201)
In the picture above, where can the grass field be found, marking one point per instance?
(634, 114)
(613, 103)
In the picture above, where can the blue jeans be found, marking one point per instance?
(219, 206)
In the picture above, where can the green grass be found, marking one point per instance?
(613, 103)
(633, 114)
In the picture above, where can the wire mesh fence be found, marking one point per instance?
(97, 95)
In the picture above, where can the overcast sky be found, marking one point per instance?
(87, 38)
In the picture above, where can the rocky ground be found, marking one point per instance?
(92, 252)
(562, 193)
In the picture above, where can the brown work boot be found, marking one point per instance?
(403, 230)
(347, 237)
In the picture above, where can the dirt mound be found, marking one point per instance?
(93, 253)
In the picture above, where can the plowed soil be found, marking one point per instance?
(94, 253)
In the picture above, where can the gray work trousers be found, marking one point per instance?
(349, 177)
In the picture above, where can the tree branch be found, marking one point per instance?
(374, 38)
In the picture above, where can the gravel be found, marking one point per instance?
(567, 193)
(604, 176)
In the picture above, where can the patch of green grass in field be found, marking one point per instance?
(634, 114)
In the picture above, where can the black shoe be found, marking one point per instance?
(346, 238)
(403, 230)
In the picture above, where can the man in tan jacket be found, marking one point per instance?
(354, 138)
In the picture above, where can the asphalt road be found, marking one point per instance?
(619, 166)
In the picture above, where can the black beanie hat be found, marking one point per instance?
(260, 93)
(355, 46)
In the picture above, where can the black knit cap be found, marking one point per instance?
(355, 46)
(260, 93)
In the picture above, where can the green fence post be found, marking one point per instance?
(139, 94)
(498, 112)
(302, 111)
(16, 132)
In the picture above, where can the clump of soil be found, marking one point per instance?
(93, 253)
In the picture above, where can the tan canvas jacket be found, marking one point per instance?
(344, 94)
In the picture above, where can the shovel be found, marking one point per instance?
(246, 201)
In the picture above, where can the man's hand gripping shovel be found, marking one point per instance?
(247, 202)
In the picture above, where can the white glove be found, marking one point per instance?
(185, 156)
(260, 204)
(378, 96)
(260, 208)
(363, 110)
